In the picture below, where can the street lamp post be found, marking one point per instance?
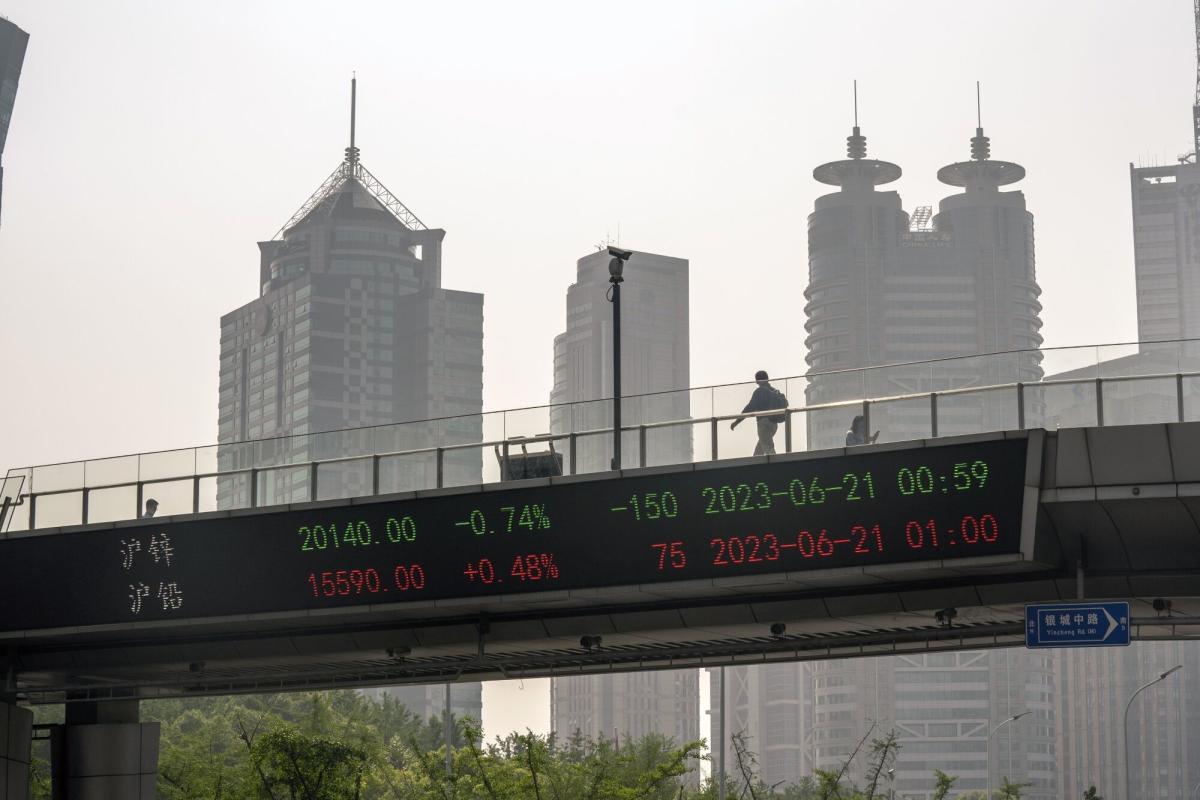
(616, 269)
(988, 744)
(1125, 723)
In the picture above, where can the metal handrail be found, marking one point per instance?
(439, 452)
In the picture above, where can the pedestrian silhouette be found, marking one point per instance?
(858, 432)
(151, 507)
(765, 398)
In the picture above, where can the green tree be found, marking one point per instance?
(944, 782)
(307, 767)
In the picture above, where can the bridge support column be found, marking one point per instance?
(104, 753)
(16, 728)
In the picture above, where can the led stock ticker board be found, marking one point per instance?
(868, 508)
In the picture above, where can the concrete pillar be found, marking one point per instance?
(104, 753)
(16, 729)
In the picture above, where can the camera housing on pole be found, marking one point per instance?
(616, 269)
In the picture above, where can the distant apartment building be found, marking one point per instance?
(771, 705)
(13, 42)
(654, 333)
(429, 702)
(628, 705)
(351, 329)
(1164, 722)
(1166, 250)
(812, 715)
(887, 288)
(654, 359)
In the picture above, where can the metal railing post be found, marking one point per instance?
(1100, 402)
(641, 445)
(32, 511)
(374, 475)
(866, 421)
(440, 458)
(1020, 406)
(787, 431)
(312, 481)
(84, 506)
(137, 509)
(573, 444)
(196, 494)
(1179, 394)
(714, 438)
(933, 422)
(253, 487)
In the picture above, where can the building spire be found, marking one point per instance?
(856, 143)
(981, 148)
(352, 151)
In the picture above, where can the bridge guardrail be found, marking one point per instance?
(1093, 385)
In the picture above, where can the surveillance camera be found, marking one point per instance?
(619, 253)
(590, 642)
(778, 629)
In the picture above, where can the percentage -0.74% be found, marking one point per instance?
(531, 517)
(525, 567)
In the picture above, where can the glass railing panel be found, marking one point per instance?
(174, 497)
(1064, 405)
(977, 411)
(207, 459)
(1191, 399)
(464, 466)
(53, 477)
(109, 471)
(225, 493)
(283, 485)
(343, 479)
(1130, 359)
(731, 399)
(1069, 362)
(594, 452)
(351, 443)
(1140, 401)
(901, 420)
(799, 440)
(54, 510)
(108, 505)
(826, 428)
(526, 422)
(407, 473)
(165, 464)
(670, 444)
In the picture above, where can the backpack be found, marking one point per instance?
(778, 400)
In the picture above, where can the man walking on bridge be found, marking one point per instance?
(765, 398)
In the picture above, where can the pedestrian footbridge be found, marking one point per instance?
(402, 554)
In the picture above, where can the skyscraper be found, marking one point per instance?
(654, 332)
(889, 289)
(352, 328)
(654, 358)
(13, 42)
(1166, 250)
(1164, 724)
(628, 705)
(812, 715)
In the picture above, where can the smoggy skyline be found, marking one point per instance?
(153, 145)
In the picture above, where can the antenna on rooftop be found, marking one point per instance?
(856, 143)
(856, 100)
(352, 151)
(978, 107)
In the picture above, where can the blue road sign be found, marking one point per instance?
(1077, 625)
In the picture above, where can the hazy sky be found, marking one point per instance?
(154, 143)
